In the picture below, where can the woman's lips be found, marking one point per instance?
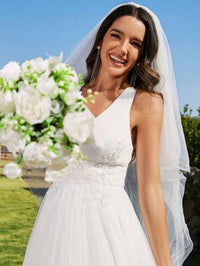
(116, 63)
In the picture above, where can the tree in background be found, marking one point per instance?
(191, 127)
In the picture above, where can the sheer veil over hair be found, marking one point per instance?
(173, 150)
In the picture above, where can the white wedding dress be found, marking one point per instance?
(86, 217)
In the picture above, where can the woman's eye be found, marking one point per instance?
(136, 44)
(132, 43)
(115, 35)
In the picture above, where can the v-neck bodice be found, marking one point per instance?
(110, 148)
(109, 106)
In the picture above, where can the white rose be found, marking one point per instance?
(25, 68)
(70, 97)
(38, 65)
(32, 106)
(11, 72)
(73, 75)
(14, 141)
(54, 61)
(37, 155)
(60, 67)
(23, 85)
(12, 170)
(78, 126)
(7, 104)
(47, 86)
(55, 107)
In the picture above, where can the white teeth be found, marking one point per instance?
(117, 59)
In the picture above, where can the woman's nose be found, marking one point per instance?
(124, 46)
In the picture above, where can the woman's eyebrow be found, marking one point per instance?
(119, 31)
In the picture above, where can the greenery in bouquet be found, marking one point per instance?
(42, 114)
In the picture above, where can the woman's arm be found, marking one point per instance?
(150, 192)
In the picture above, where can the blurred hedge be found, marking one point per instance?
(191, 127)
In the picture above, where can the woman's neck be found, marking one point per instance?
(106, 82)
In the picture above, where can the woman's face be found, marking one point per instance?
(122, 45)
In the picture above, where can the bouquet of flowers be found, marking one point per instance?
(42, 114)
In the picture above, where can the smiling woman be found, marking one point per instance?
(120, 52)
(121, 47)
(87, 218)
(129, 36)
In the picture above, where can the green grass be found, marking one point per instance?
(18, 211)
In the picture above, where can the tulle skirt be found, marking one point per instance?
(87, 225)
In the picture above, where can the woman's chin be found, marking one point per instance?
(117, 73)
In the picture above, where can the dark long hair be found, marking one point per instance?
(147, 78)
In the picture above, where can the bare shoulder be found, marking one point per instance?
(147, 102)
(146, 106)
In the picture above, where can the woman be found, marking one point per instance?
(87, 218)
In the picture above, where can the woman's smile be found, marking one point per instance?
(116, 61)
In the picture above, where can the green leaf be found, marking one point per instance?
(54, 149)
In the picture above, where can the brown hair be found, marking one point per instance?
(147, 78)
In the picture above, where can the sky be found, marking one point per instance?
(32, 28)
